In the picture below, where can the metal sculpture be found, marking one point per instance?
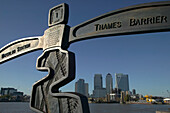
(60, 63)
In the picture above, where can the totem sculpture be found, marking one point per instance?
(60, 63)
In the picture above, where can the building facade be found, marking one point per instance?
(98, 91)
(98, 84)
(86, 89)
(109, 83)
(134, 92)
(81, 87)
(8, 91)
(11, 92)
(122, 81)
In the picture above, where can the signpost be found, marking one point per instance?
(144, 18)
(60, 63)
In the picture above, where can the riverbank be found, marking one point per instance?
(132, 102)
(148, 103)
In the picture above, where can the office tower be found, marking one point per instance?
(11, 92)
(109, 83)
(8, 91)
(98, 91)
(122, 81)
(98, 81)
(86, 89)
(81, 87)
(134, 92)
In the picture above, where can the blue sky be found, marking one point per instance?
(144, 57)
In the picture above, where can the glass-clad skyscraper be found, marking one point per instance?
(98, 91)
(98, 81)
(122, 81)
(82, 87)
(109, 83)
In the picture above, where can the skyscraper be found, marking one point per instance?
(134, 92)
(109, 83)
(98, 91)
(98, 81)
(86, 89)
(81, 87)
(122, 81)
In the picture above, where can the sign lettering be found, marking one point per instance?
(16, 50)
(149, 20)
(8, 54)
(23, 47)
(113, 25)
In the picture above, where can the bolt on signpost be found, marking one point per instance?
(60, 63)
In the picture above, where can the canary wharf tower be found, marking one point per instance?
(109, 83)
(122, 81)
(98, 84)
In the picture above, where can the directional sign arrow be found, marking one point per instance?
(145, 18)
(20, 47)
(53, 37)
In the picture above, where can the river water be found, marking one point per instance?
(20, 107)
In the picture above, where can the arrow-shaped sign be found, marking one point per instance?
(145, 18)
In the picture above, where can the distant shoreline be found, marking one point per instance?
(130, 103)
